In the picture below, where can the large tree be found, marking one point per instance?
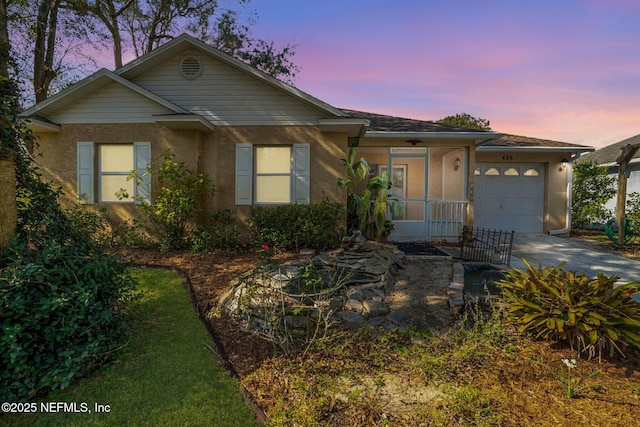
(63, 36)
(46, 27)
(48, 39)
(8, 141)
(110, 14)
(466, 120)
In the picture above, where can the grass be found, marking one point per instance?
(165, 376)
(378, 377)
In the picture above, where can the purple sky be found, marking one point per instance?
(567, 70)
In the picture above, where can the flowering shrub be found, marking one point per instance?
(265, 253)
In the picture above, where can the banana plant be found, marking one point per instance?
(367, 211)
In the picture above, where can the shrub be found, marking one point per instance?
(94, 225)
(176, 201)
(592, 188)
(62, 316)
(292, 227)
(633, 212)
(590, 314)
(219, 234)
(132, 234)
(62, 311)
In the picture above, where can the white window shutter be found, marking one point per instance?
(141, 161)
(244, 174)
(300, 167)
(86, 182)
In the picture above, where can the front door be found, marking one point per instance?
(409, 185)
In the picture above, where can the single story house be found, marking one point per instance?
(264, 142)
(606, 156)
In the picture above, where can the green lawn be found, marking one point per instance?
(166, 376)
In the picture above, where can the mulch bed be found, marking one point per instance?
(535, 396)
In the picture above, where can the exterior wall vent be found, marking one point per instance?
(190, 68)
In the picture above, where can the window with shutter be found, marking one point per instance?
(272, 174)
(107, 167)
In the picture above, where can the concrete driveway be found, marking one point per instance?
(544, 250)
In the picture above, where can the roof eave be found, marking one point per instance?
(535, 149)
(185, 122)
(38, 125)
(355, 128)
(433, 135)
(89, 85)
(614, 164)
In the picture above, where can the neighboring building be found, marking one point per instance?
(264, 142)
(606, 156)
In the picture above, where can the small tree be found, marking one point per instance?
(466, 121)
(592, 188)
(176, 202)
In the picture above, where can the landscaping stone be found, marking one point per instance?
(298, 321)
(405, 294)
(399, 317)
(356, 294)
(353, 320)
(375, 308)
(354, 305)
(377, 321)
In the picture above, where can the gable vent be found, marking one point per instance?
(190, 68)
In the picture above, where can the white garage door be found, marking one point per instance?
(509, 196)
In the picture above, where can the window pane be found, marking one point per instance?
(116, 158)
(531, 172)
(110, 184)
(492, 172)
(273, 189)
(273, 160)
(511, 172)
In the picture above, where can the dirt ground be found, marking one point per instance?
(530, 395)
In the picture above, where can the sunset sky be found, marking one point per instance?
(567, 70)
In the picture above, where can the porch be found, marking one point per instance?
(428, 197)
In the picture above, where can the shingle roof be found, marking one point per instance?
(384, 123)
(507, 140)
(610, 153)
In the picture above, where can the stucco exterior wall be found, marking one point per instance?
(212, 154)
(56, 154)
(218, 160)
(555, 176)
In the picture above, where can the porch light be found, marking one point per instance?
(563, 164)
(456, 163)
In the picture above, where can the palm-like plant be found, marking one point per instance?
(367, 211)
